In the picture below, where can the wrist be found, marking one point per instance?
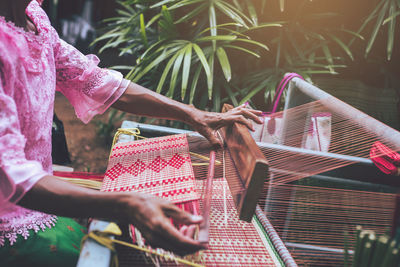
(194, 116)
(126, 205)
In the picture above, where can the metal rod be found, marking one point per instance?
(315, 153)
(369, 123)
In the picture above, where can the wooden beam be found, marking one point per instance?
(251, 166)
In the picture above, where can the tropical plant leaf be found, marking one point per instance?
(204, 62)
(378, 24)
(230, 13)
(391, 16)
(211, 82)
(186, 69)
(153, 64)
(391, 30)
(231, 96)
(213, 24)
(224, 62)
(175, 71)
(219, 26)
(217, 38)
(143, 30)
(243, 49)
(250, 95)
(343, 46)
(165, 73)
(194, 83)
(185, 3)
(192, 13)
(252, 12)
(164, 2)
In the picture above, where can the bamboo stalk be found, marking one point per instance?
(380, 250)
(368, 250)
(389, 256)
(357, 246)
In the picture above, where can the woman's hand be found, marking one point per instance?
(206, 123)
(141, 101)
(152, 216)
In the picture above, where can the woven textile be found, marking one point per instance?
(234, 243)
(158, 166)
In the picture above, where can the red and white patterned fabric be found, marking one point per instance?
(232, 243)
(158, 166)
(236, 243)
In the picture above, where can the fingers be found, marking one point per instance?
(181, 216)
(239, 119)
(248, 113)
(168, 237)
(188, 231)
(191, 230)
(251, 115)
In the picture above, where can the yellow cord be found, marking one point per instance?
(103, 239)
(83, 182)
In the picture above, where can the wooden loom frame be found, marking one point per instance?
(250, 163)
(253, 172)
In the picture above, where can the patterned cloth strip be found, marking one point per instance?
(387, 160)
(232, 243)
(159, 166)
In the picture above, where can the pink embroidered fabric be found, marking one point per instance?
(32, 67)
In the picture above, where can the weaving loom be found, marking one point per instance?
(162, 166)
(314, 199)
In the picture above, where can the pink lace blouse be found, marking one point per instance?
(32, 67)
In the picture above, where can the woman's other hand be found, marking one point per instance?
(152, 216)
(206, 123)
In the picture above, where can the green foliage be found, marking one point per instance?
(106, 130)
(207, 52)
(384, 13)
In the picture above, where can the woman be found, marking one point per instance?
(34, 63)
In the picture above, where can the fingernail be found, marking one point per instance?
(197, 218)
(205, 246)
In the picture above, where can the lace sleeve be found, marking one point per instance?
(90, 89)
(17, 174)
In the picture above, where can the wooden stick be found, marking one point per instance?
(205, 225)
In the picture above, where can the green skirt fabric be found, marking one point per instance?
(58, 246)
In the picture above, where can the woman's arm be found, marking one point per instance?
(141, 101)
(149, 214)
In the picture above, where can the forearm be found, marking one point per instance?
(144, 102)
(54, 196)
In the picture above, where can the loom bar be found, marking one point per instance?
(205, 225)
(251, 166)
